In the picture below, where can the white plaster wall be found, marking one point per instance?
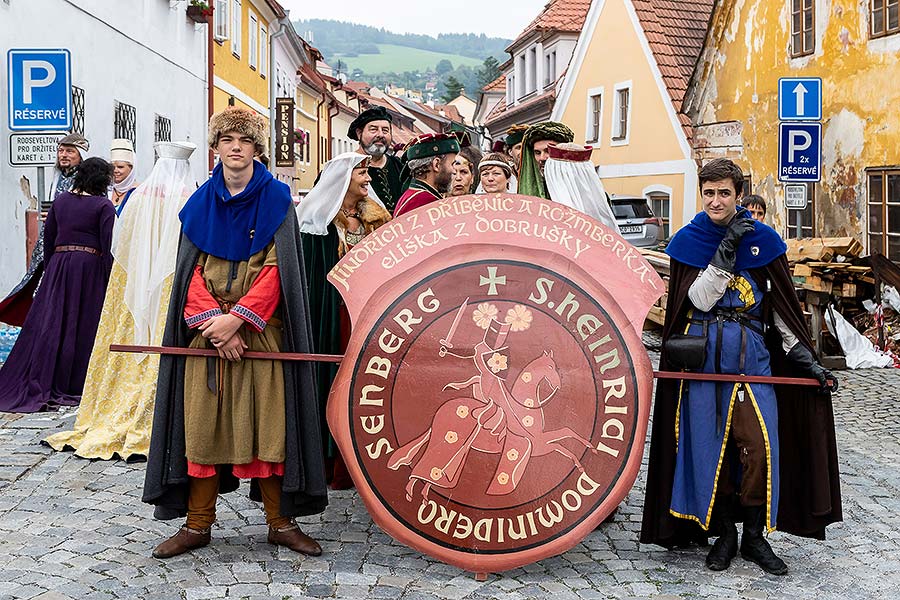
(145, 53)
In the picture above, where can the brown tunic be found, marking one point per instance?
(234, 411)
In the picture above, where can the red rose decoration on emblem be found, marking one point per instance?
(493, 402)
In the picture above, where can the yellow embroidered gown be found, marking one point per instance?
(116, 411)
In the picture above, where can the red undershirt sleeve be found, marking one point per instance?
(200, 306)
(259, 303)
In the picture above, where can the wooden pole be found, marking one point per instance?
(170, 351)
(728, 378)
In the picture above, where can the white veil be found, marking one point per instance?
(577, 185)
(317, 210)
(145, 238)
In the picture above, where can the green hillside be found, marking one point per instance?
(398, 59)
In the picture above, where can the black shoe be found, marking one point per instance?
(726, 545)
(754, 546)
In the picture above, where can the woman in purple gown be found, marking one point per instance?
(47, 366)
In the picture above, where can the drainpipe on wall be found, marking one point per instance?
(210, 27)
(319, 132)
(272, 116)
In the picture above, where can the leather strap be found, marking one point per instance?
(71, 248)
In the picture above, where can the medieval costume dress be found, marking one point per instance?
(116, 410)
(14, 308)
(387, 180)
(780, 464)
(216, 420)
(47, 366)
(326, 238)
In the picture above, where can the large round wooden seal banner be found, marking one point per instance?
(493, 402)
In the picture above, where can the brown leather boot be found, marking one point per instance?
(291, 537)
(186, 539)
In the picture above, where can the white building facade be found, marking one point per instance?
(139, 71)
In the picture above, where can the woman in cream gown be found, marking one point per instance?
(116, 411)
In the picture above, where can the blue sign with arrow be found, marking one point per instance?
(800, 152)
(40, 89)
(800, 99)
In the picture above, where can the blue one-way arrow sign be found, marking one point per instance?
(800, 152)
(800, 99)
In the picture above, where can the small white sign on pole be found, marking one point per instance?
(795, 196)
(33, 149)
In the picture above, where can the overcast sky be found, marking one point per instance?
(495, 18)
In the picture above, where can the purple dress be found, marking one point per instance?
(48, 364)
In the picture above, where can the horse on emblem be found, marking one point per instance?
(495, 419)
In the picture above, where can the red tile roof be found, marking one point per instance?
(558, 15)
(676, 30)
(497, 85)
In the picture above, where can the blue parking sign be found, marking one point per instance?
(800, 152)
(40, 84)
(800, 99)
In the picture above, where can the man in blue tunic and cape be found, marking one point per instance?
(722, 453)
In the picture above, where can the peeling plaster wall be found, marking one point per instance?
(861, 89)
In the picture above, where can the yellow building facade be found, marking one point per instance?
(241, 54)
(854, 47)
(621, 97)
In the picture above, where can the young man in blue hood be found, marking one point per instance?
(727, 452)
(239, 285)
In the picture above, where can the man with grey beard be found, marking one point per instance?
(372, 129)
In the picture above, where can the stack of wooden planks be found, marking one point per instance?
(660, 262)
(830, 266)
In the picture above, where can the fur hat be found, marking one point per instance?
(243, 121)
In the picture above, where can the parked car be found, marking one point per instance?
(636, 221)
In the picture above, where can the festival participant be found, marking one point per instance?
(725, 452)
(535, 153)
(514, 137)
(430, 163)
(47, 366)
(572, 180)
(71, 151)
(756, 206)
(465, 171)
(239, 285)
(121, 155)
(495, 173)
(116, 409)
(335, 216)
(372, 128)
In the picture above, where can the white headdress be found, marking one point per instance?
(573, 181)
(318, 209)
(145, 238)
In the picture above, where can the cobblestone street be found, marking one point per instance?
(71, 528)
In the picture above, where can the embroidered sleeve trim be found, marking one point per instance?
(206, 315)
(248, 315)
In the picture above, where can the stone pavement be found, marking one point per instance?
(72, 528)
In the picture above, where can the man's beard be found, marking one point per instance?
(376, 149)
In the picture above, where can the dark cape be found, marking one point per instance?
(48, 364)
(387, 182)
(303, 488)
(810, 487)
(320, 253)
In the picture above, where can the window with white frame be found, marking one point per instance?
(220, 19)
(510, 89)
(594, 118)
(252, 42)
(236, 27)
(532, 70)
(263, 50)
(621, 113)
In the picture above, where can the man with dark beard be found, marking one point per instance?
(372, 129)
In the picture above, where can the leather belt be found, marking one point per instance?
(87, 249)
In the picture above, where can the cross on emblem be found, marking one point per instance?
(492, 280)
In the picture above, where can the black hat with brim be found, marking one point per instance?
(377, 113)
